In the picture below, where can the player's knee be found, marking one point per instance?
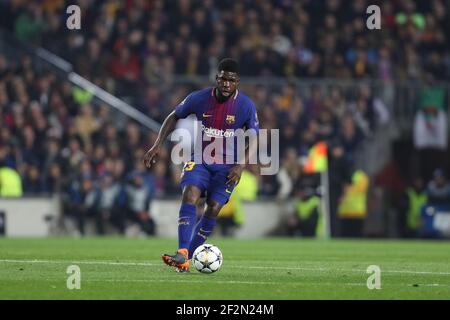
(213, 209)
(191, 195)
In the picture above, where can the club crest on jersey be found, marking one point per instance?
(230, 119)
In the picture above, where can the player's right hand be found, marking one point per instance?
(149, 157)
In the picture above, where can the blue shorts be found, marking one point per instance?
(210, 179)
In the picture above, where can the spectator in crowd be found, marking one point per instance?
(349, 137)
(125, 68)
(10, 182)
(306, 219)
(54, 181)
(32, 181)
(288, 175)
(86, 124)
(82, 204)
(73, 154)
(339, 172)
(411, 203)
(110, 206)
(139, 200)
(352, 209)
(438, 189)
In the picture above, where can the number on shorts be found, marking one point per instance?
(189, 166)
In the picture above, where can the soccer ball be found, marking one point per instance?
(207, 258)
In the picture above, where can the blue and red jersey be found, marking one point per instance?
(220, 120)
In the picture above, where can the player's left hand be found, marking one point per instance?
(235, 174)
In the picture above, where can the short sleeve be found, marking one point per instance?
(186, 107)
(252, 120)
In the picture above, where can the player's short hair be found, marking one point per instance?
(229, 65)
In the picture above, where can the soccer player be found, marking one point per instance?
(220, 109)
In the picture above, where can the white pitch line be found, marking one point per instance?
(130, 263)
(179, 280)
(111, 263)
(213, 281)
(347, 270)
(258, 282)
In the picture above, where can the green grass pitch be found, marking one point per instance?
(274, 268)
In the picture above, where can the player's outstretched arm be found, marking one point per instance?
(167, 127)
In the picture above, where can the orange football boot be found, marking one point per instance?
(179, 260)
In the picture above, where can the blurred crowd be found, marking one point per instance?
(54, 135)
(127, 45)
(60, 141)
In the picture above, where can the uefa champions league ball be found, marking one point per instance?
(207, 258)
